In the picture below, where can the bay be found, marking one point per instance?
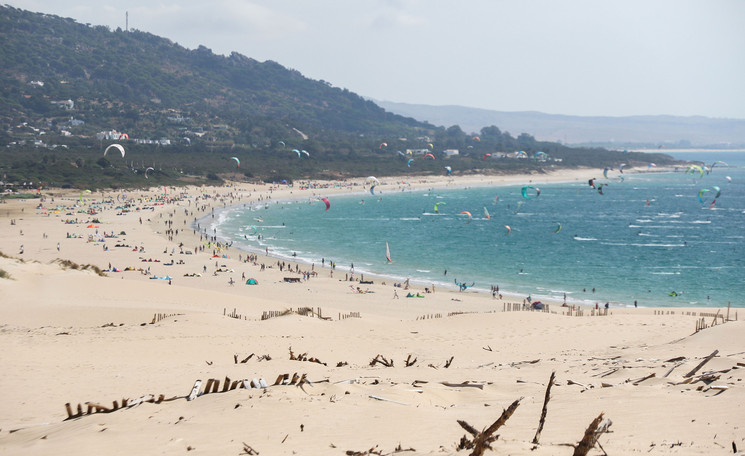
(646, 238)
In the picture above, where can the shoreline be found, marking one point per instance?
(438, 183)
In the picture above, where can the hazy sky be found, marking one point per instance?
(578, 57)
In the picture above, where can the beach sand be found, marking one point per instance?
(74, 336)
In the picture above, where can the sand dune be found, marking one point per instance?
(73, 336)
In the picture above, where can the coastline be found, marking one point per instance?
(74, 336)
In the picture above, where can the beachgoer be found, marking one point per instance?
(395, 294)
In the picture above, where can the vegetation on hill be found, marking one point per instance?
(68, 90)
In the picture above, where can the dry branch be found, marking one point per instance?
(482, 440)
(248, 450)
(588, 441)
(701, 364)
(381, 359)
(545, 408)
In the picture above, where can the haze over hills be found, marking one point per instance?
(67, 90)
(613, 132)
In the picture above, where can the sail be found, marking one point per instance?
(387, 252)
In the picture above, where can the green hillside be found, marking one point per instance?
(68, 90)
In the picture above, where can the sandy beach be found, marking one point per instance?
(298, 365)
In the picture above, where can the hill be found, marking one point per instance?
(612, 132)
(68, 90)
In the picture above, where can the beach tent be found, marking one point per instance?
(251, 281)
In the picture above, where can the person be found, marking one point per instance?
(634, 303)
(395, 294)
(607, 305)
(58, 246)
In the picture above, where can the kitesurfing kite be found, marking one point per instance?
(328, 204)
(527, 193)
(695, 169)
(148, 169)
(374, 180)
(463, 285)
(115, 146)
(468, 214)
(542, 156)
(237, 162)
(437, 206)
(81, 195)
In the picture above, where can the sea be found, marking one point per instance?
(640, 236)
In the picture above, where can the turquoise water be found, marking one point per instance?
(616, 243)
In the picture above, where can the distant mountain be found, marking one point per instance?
(647, 131)
(67, 90)
(54, 68)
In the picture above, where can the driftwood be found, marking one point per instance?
(482, 440)
(449, 362)
(248, 450)
(243, 361)
(372, 450)
(647, 377)
(544, 411)
(589, 439)
(572, 382)
(672, 368)
(463, 385)
(701, 364)
(304, 357)
(409, 362)
(381, 360)
(378, 398)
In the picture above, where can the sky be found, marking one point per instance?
(573, 57)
